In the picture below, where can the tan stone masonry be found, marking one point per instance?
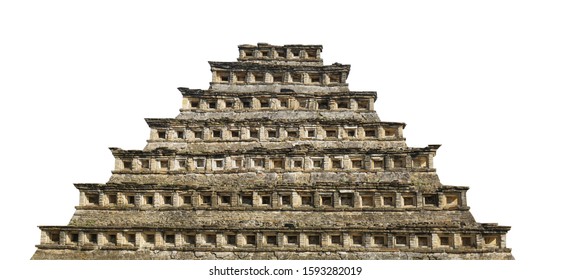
(277, 159)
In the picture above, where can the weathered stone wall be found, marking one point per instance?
(272, 255)
(247, 218)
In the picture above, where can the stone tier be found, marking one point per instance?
(352, 127)
(271, 220)
(211, 100)
(297, 163)
(225, 133)
(253, 239)
(322, 197)
(345, 118)
(287, 54)
(246, 76)
(216, 145)
(239, 66)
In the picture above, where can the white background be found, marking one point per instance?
(487, 79)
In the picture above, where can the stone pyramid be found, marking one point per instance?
(278, 159)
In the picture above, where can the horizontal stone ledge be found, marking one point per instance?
(284, 94)
(197, 255)
(386, 229)
(167, 122)
(339, 209)
(253, 170)
(254, 186)
(253, 66)
(274, 248)
(223, 94)
(320, 186)
(304, 149)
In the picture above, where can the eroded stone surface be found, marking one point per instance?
(278, 159)
(173, 255)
